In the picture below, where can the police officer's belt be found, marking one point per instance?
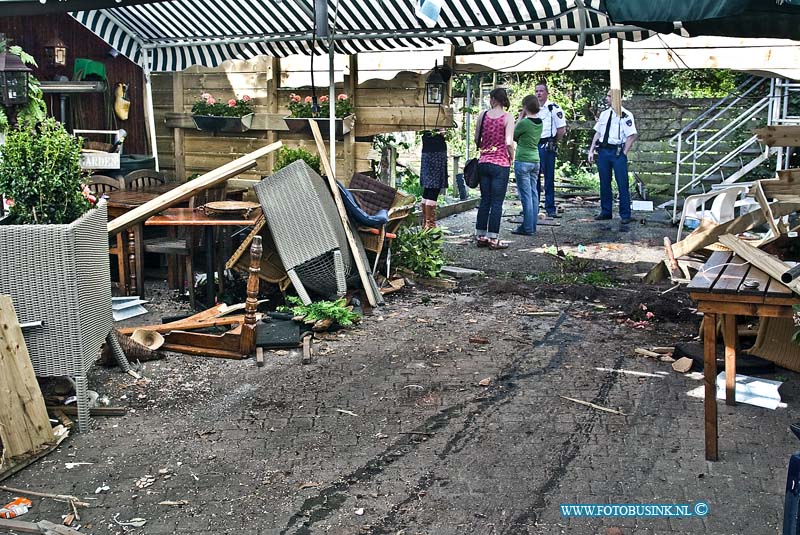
(546, 140)
(609, 145)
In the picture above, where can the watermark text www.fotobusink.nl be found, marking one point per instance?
(633, 509)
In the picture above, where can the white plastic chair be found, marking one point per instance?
(723, 202)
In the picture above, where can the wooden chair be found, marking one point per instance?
(187, 242)
(372, 196)
(100, 184)
(143, 178)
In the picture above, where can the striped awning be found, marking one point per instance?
(173, 35)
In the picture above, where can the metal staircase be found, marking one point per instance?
(710, 153)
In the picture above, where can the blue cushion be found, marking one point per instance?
(379, 219)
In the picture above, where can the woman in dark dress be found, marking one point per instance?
(433, 174)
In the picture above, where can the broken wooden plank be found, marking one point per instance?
(24, 425)
(67, 498)
(767, 263)
(189, 189)
(702, 238)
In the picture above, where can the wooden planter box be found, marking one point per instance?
(59, 274)
(301, 126)
(212, 123)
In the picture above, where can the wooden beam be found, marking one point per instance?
(363, 271)
(710, 384)
(779, 135)
(24, 425)
(766, 262)
(697, 240)
(184, 191)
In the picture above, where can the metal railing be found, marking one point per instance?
(690, 148)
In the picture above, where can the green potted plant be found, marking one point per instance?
(301, 110)
(54, 262)
(235, 115)
(287, 155)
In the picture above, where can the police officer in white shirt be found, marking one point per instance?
(554, 126)
(613, 137)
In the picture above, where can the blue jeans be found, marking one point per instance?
(547, 167)
(608, 161)
(526, 174)
(494, 183)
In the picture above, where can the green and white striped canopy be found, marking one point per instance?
(173, 35)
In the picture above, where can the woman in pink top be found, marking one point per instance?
(494, 135)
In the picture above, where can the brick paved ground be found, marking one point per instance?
(423, 448)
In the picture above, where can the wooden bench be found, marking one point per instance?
(726, 286)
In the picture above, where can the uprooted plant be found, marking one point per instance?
(336, 311)
(419, 250)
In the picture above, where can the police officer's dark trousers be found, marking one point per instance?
(608, 161)
(547, 169)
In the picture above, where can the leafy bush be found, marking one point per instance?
(235, 107)
(409, 182)
(40, 175)
(338, 311)
(419, 250)
(288, 155)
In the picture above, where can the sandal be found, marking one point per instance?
(497, 244)
(482, 242)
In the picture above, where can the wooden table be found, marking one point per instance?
(123, 201)
(192, 217)
(719, 289)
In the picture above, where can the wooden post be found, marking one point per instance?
(349, 145)
(456, 163)
(710, 382)
(24, 425)
(178, 135)
(388, 165)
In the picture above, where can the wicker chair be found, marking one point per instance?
(373, 195)
(309, 236)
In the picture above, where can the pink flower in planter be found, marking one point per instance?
(323, 98)
(295, 98)
(246, 98)
(650, 315)
(232, 103)
(308, 100)
(9, 202)
(341, 96)
(211, 100)
(206, 96)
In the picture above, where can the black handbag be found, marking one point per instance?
(471, 176)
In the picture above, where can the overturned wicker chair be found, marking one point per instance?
(308, 234)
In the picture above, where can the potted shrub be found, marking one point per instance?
(288, 155)
(54, 259)
(235, 115)
(301, 110)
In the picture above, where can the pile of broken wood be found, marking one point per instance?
(777, 199)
